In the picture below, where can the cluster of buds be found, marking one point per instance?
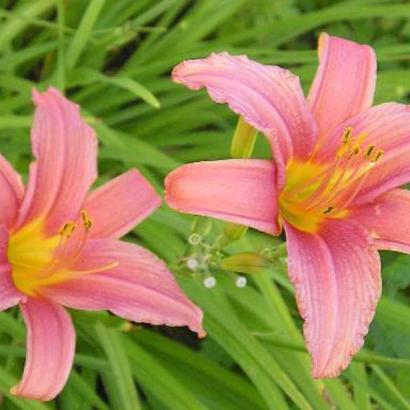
(202, 259)
(205, 259)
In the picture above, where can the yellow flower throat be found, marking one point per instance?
(39, 260)
(315, 191)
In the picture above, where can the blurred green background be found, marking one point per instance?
(114, 58)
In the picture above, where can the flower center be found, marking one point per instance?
(39, 260)
(315, 191)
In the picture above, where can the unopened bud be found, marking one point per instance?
(243, 140)
(280, 251)
(209, 282)
(126, 326)
(234, 232)
(247, 262)
(192, 263)
(241, 281)
(202, 225)
(195, 239)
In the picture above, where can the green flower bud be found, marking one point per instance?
(247, 262)
(234, 231)
(243, 140)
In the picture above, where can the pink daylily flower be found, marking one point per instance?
(59, 247)
(333, 184)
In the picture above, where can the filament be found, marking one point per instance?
(346, 171)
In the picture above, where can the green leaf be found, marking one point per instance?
(83, 33)
(89, 76)
(123, 386)
(158, 381)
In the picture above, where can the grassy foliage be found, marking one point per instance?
(114, 58)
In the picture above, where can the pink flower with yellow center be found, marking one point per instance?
(332, 185)
(59, 247)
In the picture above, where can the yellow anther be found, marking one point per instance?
(67, 229)
(87, 223)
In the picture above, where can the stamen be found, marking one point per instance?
(65, 274)
(377, 156)
(65, 232)
(342, 183)
(67, 229)
(328, 210)
(346, 140)
(63, 256)
(311, 181)
(347, 134)
(360, 139)
(360, 174)
(355, 192)
(329, 190)
(332, 185)
(87, 222)
(369, 151)
(354, 152)
(328, 185)
(96, 270)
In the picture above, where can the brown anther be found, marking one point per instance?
(355, 151)
(369, 152)
(346, 141)
(87, 223)
(328, 210)
(378, 155)
(347, 133)
(67, 229)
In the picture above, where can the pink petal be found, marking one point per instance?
(65, 150)
(9, 295)
(388, 129)
(50, 350)
(336, 274)
(133, 199)
(388, 219)
(240, 191)
(344, 83)
(140, 289)
(11, 193)
(268, 97)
